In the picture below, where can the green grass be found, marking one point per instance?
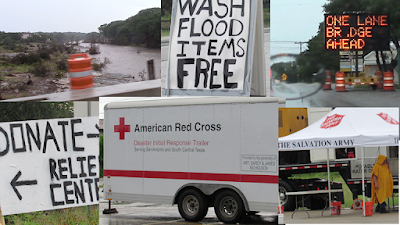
(165, 33)
(167, 16)
(347, 194)
(76, 215)
(389, 201)
(336, 177)
(165, 24)
(23, 68)
(266, 20)
(266, 17)
(2, 50)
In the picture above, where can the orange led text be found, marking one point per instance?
(345, 44)
(380, 20)
(334, 20)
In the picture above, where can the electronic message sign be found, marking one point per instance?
(211, 47)
(49, 164)
(357, 31)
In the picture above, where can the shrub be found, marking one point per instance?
(62, 64)
(40, 70)
(99, 66)
(32, 58)
(94, 49)
(19, 59)
(23, 58)
(44, 54)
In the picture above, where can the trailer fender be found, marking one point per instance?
(209, 189)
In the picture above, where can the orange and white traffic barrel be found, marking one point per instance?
(328, 81)
(80, 71)
(388, 81)
(340, 81)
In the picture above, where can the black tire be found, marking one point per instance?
(288, 202)
(228, 207)
(192, 205)
(317, 202)
(374, 87)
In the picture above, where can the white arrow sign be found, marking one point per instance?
(48, 164)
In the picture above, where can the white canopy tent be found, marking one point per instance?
(347, 127)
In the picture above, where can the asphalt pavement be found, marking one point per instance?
(151, 214)
(347, 216)
(138, 213)
(352, 97)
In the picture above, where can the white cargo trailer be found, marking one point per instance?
(194, 152)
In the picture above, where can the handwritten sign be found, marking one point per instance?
(48, 164)
(357, 32)
(209, 45)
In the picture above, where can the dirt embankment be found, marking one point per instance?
(26, 84)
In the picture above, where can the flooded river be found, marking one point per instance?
(128, 64)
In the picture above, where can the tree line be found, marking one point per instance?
(13, 41)
(19, 111)
(143, 29)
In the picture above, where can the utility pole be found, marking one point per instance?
(301, 44)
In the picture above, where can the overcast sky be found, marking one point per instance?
(294, 21)
(63, 16)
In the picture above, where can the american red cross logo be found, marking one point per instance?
(122, 128)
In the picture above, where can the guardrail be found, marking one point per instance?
(150, 88)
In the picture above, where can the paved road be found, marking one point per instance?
(356, 97)
(151, 214)
(145, 213)
(347, 216)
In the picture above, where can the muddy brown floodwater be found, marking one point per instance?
(128, 64)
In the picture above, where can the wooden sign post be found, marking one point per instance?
(2, 222)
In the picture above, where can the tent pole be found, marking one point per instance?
(329, 177)
(362, 174)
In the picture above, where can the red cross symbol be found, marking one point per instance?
(122, 128)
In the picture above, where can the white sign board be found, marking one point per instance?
(49, 164)
(211, 47)
(356, 168)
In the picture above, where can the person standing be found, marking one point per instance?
(381, 183)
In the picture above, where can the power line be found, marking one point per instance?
(301, 44)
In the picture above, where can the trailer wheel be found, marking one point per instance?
(286, 201)
(229, 207)
(192, 205)
(317, 202)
